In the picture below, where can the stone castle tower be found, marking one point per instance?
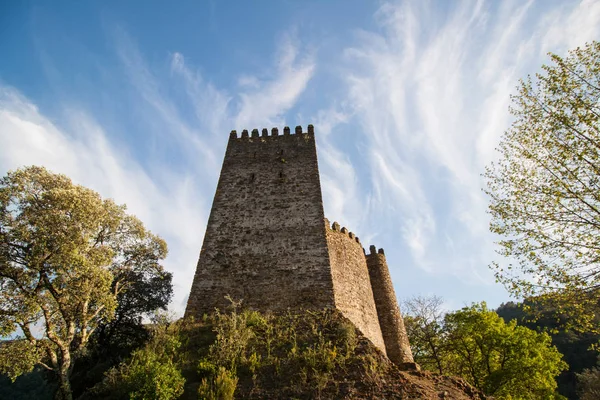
(269, 244)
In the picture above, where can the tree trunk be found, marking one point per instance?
(64, 388)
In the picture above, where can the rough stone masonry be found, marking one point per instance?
(269, 244)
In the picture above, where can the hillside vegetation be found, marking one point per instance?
(246, 354)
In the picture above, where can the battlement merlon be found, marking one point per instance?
(233, 135)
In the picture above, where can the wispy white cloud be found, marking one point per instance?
(260, 99)
(341, 194)
(168, 121)
(265, 101)
(570, 25)
(211, 105)
(430, 92)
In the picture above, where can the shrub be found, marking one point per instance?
(152, 373)
(221, 387)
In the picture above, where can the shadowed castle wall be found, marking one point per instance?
(265, 240)
(390, 320)
(351, 283)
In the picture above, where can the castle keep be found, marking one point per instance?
(269, 244)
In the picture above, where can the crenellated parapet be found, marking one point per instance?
(373, 250)
(335, 227)
(259, 160)
(233, 135)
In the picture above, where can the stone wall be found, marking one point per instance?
(265, 240)
(351, 282)
(390, 319)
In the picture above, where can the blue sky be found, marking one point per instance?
(409, 99)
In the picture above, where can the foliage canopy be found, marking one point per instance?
(66, 255)
(150, 373)
(575, 346)
(545, 187)
(503, 360)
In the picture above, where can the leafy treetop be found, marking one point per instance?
(545, 188)
(65, 254)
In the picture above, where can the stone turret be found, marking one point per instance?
(390, 319)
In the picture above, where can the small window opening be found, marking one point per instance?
(252, 178)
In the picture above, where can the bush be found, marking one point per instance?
(221, 387)
(152, 373)
(150, 378)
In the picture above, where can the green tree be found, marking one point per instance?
(545, 188)
(148, 290)
(506, 361)
(575, 346)
(65, 254)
